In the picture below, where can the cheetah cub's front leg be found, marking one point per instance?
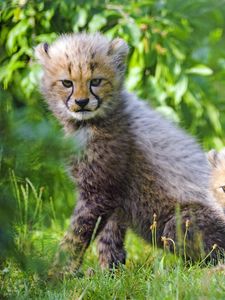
(77, 239)
(111, 243)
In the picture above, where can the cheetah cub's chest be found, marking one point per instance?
(83, 137)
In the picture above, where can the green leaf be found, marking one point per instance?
(15, 35)
(96, 23)
(134, 32)
(213, 115)
(200, 70)
(80, 19)
(180, 89)
(177, 52)
(133, 78)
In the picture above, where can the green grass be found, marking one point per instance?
(149, 273)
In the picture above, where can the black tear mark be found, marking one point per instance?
(93, 65)
(97, 97)
(68, 98)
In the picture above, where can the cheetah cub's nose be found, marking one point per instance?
(82, 102)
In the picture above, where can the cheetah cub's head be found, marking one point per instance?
(217, 162)
(83, 74)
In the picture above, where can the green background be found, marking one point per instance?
(176, 62)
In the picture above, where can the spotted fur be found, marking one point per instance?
(135, 163)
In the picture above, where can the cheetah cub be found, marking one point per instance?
(134, 163)
(217, 162)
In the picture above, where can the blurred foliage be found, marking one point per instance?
(177, 56)
(177, 60)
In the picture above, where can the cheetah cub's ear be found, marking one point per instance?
(213, 158)
(119, 50)
(41, 53)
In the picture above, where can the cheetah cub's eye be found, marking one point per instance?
(222, 188)
(67, 83)
(96, 82)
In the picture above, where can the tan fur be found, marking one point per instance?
(97, 59)
(217, 162)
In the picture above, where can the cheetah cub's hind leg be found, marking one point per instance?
(111, 243)
(204, 236)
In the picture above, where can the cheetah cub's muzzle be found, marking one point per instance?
(82, 108)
